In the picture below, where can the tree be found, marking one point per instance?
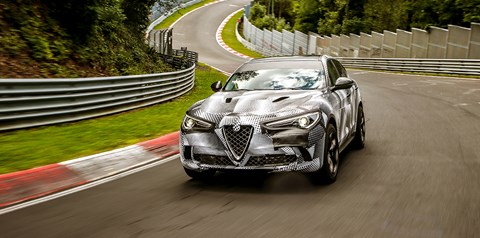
(386, 14)
(307, 13)
(136, 12)
(354, 16)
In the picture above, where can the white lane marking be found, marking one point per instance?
(222, 71)
(461, 104)
(106, 153)
(233, 5)
(97, 166)
(86, 186)
(400, 84)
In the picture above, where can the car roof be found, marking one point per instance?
(283, 62)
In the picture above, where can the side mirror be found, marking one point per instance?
(216, 86)
(343, 83)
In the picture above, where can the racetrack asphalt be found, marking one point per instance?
(419, 175)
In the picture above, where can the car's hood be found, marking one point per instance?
(263, 102)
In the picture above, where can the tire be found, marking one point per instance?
(327, 174)
(200, 175)
(359, 139)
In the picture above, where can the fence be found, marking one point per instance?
(416, 51)
(36, 102)
(453, 43)
(161, 41)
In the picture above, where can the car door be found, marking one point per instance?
(339, 101)
(349, 101)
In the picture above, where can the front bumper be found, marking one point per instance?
(271, 153)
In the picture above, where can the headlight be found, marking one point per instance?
(305, 121)
(195, 123)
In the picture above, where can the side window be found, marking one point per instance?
(340, 68)
(332, 73)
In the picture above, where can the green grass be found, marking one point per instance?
(175, 16)
(24, 149)
(229, 37)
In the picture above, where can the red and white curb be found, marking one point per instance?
(37, 182)
(220, 39)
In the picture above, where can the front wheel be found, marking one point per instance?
(327, 174)
(359, 139)
(199, 175)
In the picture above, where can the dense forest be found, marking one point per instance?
(327, 17)
(71, 38)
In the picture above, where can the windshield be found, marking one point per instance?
(276, 79)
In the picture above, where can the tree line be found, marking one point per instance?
(327, 17)
(69, 38)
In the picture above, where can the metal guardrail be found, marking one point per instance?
(437, 66)
(184, 54)
(37, 102)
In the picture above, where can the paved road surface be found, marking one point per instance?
(419, 175)
(197, 32)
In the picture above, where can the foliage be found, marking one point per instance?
(103, 36)
(136, 12)
(307, 14)
(260, 18)
(353, 16)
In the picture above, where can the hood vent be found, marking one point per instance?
(280, 99)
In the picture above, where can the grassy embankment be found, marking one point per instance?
(229, 37)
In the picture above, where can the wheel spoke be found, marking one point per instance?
(329, 168)
(333, 145)
(332, 159)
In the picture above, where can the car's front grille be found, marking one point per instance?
(212, 159)
(237, 138)
(271, 160)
